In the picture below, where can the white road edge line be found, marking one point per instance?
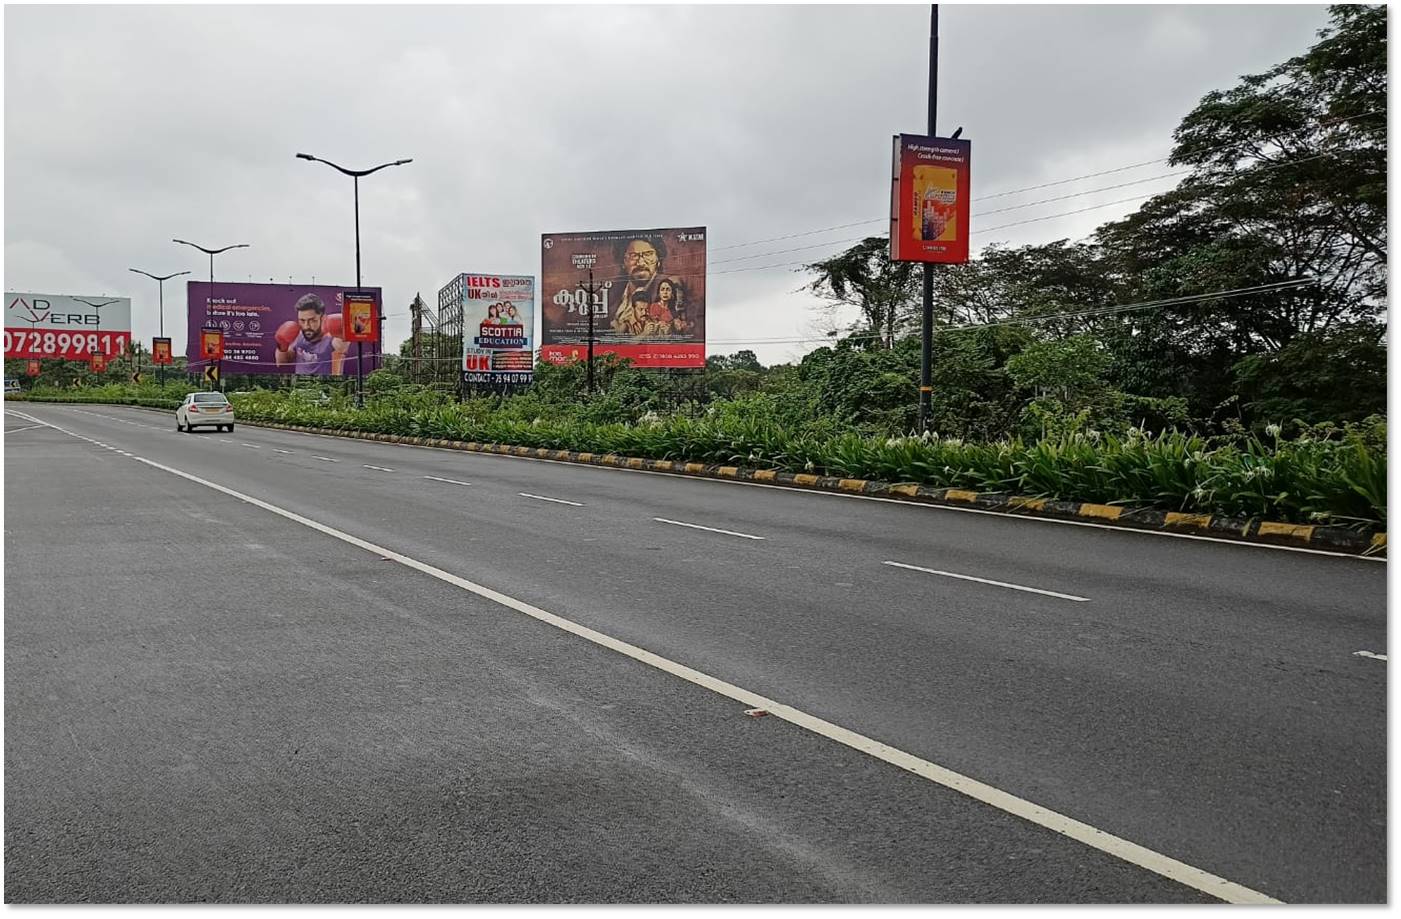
(1132, 853)
(377, 468)
(1374, 656)
(969, 577)
(449, 481)
(29, 427)
(543, 498)
(697, 526)
(325, 458)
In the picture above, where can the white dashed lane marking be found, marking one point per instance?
(697, 526)
(969, 577)
(555, 500)
(449, 481)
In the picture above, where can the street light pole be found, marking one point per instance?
(160, 287)
(211, 253)
(355, 175)
(926, 331)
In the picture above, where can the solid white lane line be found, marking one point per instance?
(555, 500)
(969, 577)
(378, 468)
(449, 481)
(1373, 656)
(697, 526)
(325, 458)
(1132, 853)
(282, 451)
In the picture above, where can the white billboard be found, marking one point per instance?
(498, 324)
(65, 326)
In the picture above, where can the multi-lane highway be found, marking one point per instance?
(268, 666)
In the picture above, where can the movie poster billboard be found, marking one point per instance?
(160, 351)
(277, 328)
(63, 327)
(929, 199)
(498, 325)
(649, 301)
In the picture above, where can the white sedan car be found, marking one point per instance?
(204, 409)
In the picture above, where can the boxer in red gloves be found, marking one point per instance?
(313, 341)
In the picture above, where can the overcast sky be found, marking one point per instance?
(127, 126)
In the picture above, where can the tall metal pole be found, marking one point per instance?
(359, 345)
(589, 384)
(160, 368)
(356, 174)
(926, 332)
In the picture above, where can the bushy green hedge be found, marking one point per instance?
(1333, 476)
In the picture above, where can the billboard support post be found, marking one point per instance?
(160, 287)
(926, 332)
(588, 386)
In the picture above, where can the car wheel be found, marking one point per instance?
(178, 425)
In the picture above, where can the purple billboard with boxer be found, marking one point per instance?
(277, 328)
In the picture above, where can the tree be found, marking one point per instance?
(740, 360)
(1337, 375)
(865, 277)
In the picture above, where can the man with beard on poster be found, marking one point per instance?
(313, 340)
(640, 261)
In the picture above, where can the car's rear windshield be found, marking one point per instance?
(209, 397)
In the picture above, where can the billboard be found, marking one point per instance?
(649, 296)
(276, 328)
(929, 199)
(211, 344)
(498, 325)
(361, 313)
(160, 351)
(65, 327)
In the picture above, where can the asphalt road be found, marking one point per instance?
(206, 701)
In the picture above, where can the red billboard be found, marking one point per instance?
(648, 299)
(63, 327)
(97, 362)
(31, 368)
(211, 345)
(929, 199)
(361, 314)
(160, 351)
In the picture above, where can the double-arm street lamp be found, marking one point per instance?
(160, 284)
(211, 253)
(355, 174)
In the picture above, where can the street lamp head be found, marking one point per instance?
(402, 162)
(305, 156)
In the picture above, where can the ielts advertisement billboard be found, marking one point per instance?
(929, 199)
(648, 302)
(64, 327)
(498, 326)
(277, 328)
